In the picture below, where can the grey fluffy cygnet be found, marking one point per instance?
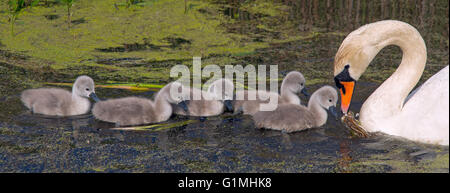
(138, 111)
(292, 85)
(60, 102)
(295, 117)
(213, 102)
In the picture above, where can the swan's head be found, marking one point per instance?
(351, 61)
(84, 87)
(295, 83)
(177, 94)
(327, 98)
(223, 89)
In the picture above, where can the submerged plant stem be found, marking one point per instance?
(69, 19)
(158, 127)
(13, 20)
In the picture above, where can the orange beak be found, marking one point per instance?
(346, 95)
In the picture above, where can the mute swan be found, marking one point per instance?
(292, 85)
(296, 117)
(425, 116)
(60, 102)
(138, 111)
(219, 95)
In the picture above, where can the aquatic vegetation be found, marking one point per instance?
(131, 2)
(354, 125)
(68, 4)
(382, 162)
(156, 127)
(211, 33)
(16, 7)
(179, 37)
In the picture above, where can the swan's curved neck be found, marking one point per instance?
(388, 99)
(163, 109)
(319, 113)
(74, 92)
(76, 97)
(289, 96)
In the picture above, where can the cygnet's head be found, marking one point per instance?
(295, 83)
(327, 98)
(84, 87)
(223, 89)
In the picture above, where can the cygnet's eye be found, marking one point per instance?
(87, 89)
(330, 100)
(301, 84)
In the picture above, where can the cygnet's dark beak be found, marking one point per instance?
(229, 105)
(305, 92)
(184, 105)
(94, 97)
(333, 111)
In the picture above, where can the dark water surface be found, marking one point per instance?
(36, 143)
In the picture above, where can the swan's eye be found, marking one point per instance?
(301, 84)
(87, 89)
(347, 66)
(330, 100)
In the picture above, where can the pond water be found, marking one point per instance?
(36, 143)
(227, 143)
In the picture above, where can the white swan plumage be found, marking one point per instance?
(424, 117)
